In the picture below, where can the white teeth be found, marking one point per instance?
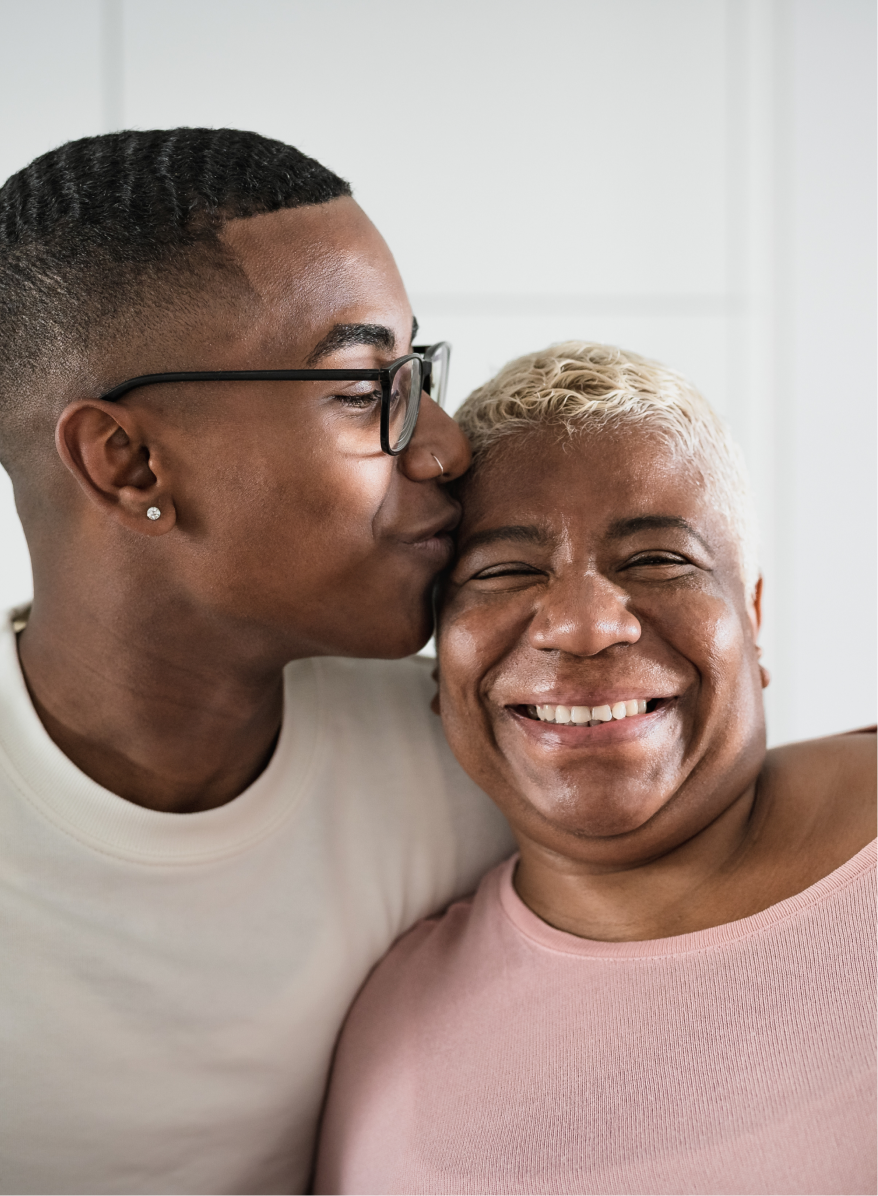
(581, 715)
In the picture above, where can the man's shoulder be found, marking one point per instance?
(440, 952)
(378, 709)
(398, 681)
(408, 670)
(383, 757)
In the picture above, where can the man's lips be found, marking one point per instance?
(438, 548)
(434, 538)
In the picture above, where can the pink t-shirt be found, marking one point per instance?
(490, 1052)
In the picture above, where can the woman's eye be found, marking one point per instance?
(656, 558)
(510, 569)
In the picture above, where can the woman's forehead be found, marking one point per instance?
(602, 488)
(587, 474)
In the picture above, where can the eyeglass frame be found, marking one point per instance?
(423, 354)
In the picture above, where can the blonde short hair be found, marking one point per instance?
(579, 386)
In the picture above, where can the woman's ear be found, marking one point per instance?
(756, 622)
(106, 448)
(755, 608)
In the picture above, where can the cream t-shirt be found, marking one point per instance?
(171, 986)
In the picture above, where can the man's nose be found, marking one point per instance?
(438, 448)
(582, 615)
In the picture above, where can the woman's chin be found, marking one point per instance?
(596, 816)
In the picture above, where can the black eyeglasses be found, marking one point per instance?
(402, 383)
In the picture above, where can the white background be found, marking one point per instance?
(691, 179)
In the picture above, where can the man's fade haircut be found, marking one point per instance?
(104, 230)
(581, 387)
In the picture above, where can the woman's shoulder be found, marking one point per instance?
(824, 790)
(833, 765)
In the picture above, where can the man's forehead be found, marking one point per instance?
(325, 280)
(296, 231)
(303, 250)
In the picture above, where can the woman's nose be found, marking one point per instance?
(438, 448)
(582, 616)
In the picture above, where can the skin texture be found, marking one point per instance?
(577, 583)
(154, 650)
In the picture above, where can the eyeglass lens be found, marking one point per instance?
(405, 397)
(439, 355)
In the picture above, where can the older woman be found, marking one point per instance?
(670, 988)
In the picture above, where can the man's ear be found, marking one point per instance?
(105, 448)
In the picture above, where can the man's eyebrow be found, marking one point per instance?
(520, 533)
(415, 327)
(644, 523)
(341, 336)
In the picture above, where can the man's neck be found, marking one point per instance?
(163, 711)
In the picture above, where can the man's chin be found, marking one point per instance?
(395, 640)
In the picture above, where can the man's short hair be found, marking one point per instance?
(581, 387)
(102, 231)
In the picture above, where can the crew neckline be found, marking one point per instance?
(540, 932)
(81, 808)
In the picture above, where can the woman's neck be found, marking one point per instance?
(810, 810)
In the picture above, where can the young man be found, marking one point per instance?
(204, 848)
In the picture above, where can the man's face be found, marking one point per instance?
(592, 573)
(283, 521)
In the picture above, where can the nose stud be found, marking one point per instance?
(153, 513)
(441, 473)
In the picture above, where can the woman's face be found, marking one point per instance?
(592, 573)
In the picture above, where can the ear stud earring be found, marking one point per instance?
(153, 513)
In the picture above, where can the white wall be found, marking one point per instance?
(693, 179)
(828, 568)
